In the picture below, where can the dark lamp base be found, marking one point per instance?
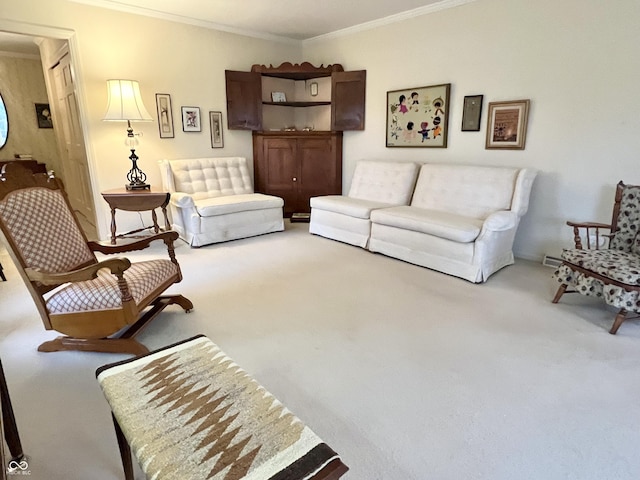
(138, 186)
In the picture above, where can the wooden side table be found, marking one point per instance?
(137, 201)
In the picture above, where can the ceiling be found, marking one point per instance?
(288, 20)
(292, 19)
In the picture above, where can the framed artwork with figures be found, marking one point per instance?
(191, 119)
(418, 117)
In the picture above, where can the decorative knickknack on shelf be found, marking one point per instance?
(124, 104)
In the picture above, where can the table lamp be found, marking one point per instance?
(125, 105)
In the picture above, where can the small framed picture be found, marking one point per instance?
(278, 97)
(472, 113)
(165, 115)
(313, 89)
(191, 119)
(215, 121)
(43, 114)
(507, 125)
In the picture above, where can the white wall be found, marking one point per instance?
(22, 86)
(185, 61)
(577, 61)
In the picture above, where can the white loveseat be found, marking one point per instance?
(461, 220)
(374, 185)
(212, 200)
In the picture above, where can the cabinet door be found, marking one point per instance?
(280, 170)
(244, 100)
(320, 169)
(347, 99)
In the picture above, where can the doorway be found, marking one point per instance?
(72, 163)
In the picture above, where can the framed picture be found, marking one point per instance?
(278, 97)
(165, 115)
(313, 88)
(43, 114)
(215, 121)
(418, 117)
(472, 113)
(507, 125)
(191, 119)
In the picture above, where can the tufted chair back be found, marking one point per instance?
(209, 177)
(626, 219)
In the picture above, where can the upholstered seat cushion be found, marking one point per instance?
(102, 293)
(353, 207)
(433, 222)
(211, 207)
(188, 411)
(614, 264)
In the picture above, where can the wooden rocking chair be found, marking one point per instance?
(607, 269)
(98, 306)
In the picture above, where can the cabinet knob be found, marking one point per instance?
(295, 179)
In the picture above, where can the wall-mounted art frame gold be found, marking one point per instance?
(418, 117)
(165, 115)
(215, 122)
(507, 125)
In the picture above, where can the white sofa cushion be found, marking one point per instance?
(465, 190)
(386, 182)
(450, 226)
(211, 177)
(210, 207)
(352, 207)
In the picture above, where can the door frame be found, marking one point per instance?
(13, 26)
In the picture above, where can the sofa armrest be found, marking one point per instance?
(500, 221)
(182, 200)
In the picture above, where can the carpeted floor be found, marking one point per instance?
(407, 373)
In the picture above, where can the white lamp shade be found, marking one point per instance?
(125, 103)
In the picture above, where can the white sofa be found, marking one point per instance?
(212, 200)
(461, 220)
(374, 185)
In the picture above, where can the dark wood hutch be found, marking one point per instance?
(297, 143)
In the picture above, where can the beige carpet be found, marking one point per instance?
(406, 373)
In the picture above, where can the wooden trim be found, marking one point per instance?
(115, 265)
(298, 71)
(331, 471)
(616, 206)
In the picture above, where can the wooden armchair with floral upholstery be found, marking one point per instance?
(97, 305)
(607, 269)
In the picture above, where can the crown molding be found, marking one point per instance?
(399, 17)
(147, 12)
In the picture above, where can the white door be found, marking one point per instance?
(74, 164)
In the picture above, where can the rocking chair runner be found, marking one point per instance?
(612, 273)
(98, 306)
